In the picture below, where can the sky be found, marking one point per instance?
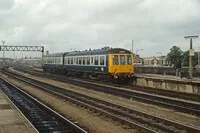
(66, 25)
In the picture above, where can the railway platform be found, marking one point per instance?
(11, 121)
(169, 77)
(168, 82)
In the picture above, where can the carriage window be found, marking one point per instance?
(115, 60)
(71, 60)
(68, 61)
(92, 58)
(80, 58)
(83, 60)
(96, 60)
(76, 60)
(65, 61)
(88, 60)
(129, 59)
(122, 60)
(102, 60)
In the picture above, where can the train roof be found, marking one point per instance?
(99, 52)
(55, 55)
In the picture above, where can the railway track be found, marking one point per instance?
(140, 120)
(168, 93)
(160, 100)
(40, 116)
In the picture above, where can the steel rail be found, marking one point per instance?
(157, 91)
(167, 102)
(155, 124)
(43, 118)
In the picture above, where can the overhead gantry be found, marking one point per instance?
(23, 48)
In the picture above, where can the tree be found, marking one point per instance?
(175, 56)
(186, 59)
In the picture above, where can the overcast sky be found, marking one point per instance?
(64, 25)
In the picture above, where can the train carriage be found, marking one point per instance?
(53, 62)
(102, 64)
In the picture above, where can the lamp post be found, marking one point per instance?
(138, 50)
(199, 57)
(132, 47)
(191, 53)
(3, 51)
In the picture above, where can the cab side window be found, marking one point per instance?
(115, 60)
(129, 59)
(122, 60)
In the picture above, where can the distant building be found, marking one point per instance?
(34, 61)
(137, 60)
(156, 61)
(6, 59)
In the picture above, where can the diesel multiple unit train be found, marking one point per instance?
(102, 64)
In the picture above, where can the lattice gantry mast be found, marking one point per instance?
(23, 48)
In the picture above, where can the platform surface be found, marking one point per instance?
(11, 121)
(167, 77)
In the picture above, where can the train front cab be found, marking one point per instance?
(121, 66)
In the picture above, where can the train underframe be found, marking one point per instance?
(110, 77)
